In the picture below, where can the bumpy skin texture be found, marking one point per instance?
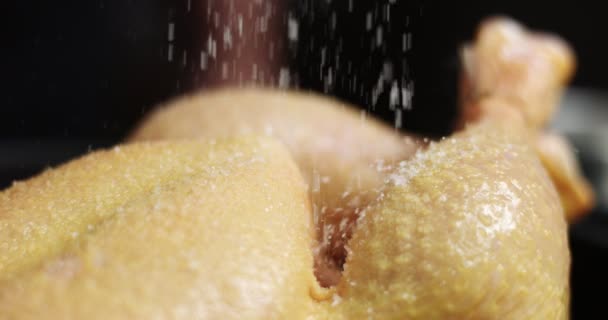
(340, 154)
(527, 73)
(470, 229)
(185, 230)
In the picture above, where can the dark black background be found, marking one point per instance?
(76, 75)
(91, 68)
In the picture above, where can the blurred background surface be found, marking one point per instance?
(77, 75)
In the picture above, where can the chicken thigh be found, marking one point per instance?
(526, 72)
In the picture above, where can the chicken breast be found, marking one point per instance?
(181, 230)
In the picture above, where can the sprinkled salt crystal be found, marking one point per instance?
(316, 182)
(398, 118)
(406, 97)
(227, 38)
(336, 300)
(394, 96)
(368, 21)
(170, 52)
(408, 297)
(240, 24)
(284, 78)
(171, 31)
(379, 36)
(293, 29)
(224, 70)
(398, 179)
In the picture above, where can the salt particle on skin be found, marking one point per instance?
(293, 29)
(336, 300)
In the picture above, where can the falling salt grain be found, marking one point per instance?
(170, 52)
(379, 36)
(293, 29)
(171, 31)
(284, 78)
(224, 70)
(398, 119)
(368, 21)
(227, 38)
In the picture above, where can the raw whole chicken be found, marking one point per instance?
(266, 205)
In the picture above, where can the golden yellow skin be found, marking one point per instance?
(181, 230)
(527, 72)
(472, 228)
(342, 155)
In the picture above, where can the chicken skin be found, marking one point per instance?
(526, 72)
(472, 228)
(343, 156)
(469, 227)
